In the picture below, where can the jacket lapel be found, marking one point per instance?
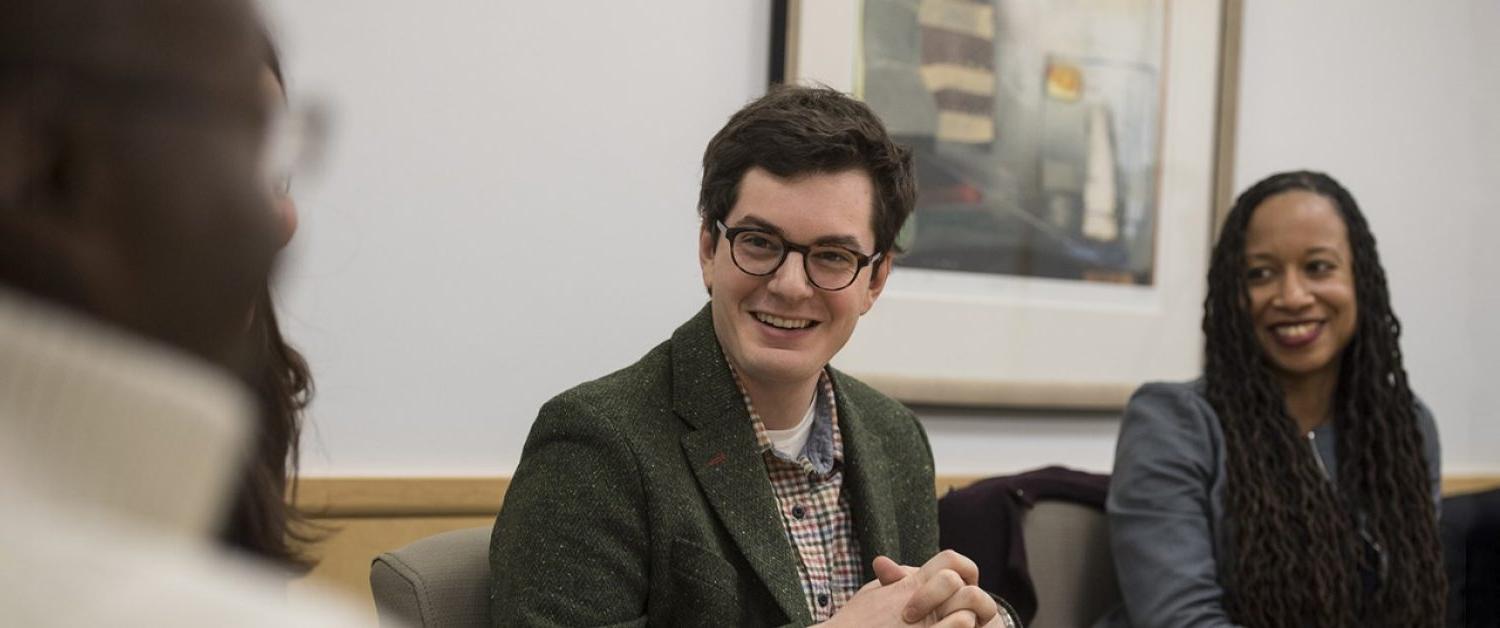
(723, 454)
(867, 475)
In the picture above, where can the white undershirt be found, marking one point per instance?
(791, 441)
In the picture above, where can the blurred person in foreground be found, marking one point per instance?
(262, 521)
(135, 234)
(731, 476)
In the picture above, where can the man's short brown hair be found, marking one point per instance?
(795, 130)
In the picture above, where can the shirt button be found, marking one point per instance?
(799, 512)
(823, 599)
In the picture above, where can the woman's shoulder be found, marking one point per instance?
(1427, 426)
(1423, 413)
(1169, 437)
(1170, 401)
(1171, 413)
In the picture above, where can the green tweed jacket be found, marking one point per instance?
(641, 499)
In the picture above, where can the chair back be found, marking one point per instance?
(442, 581)
(1068, 557)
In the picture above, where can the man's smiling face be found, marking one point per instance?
(779, 329)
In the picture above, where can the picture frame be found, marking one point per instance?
(975, 340)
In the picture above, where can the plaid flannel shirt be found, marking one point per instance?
(813, 506)
(815, 510)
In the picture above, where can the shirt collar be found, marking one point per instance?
(96, 418)
(824, 449)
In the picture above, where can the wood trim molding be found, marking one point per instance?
(1460, 484)
(1230, 41)
(400, 496)
(351, 497)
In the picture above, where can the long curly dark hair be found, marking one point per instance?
(1302, 550)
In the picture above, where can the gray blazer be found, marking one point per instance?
(1166, 505)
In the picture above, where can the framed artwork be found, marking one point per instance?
(1072, 157)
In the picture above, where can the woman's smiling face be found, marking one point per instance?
(1299, 278)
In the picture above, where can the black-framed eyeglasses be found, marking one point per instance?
(295, 140)
(759, 252)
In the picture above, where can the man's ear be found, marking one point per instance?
(707, 245)
(880, 271)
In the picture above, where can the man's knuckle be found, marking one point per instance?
(951, 578)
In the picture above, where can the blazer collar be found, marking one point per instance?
(868, 474)
(722, 451)
(727, 462)
(703, 390)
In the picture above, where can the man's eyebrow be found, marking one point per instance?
(750, 220)
(846, 241)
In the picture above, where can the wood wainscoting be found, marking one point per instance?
(362, 517)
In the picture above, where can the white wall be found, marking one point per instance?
(1484, 255)
(508, 207)
(1395, 99)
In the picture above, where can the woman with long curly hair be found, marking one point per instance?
(1296, 482)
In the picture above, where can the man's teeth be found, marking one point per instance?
(1295, 331)
(784, 323)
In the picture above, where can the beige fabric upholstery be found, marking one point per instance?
(442, 581)
(1067, 554)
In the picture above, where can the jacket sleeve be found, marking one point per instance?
(570, 547)
(1160, 510)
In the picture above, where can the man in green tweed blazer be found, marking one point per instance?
(730, 477)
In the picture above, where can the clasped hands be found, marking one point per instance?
(944, 592)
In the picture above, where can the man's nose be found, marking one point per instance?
(791, 280)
